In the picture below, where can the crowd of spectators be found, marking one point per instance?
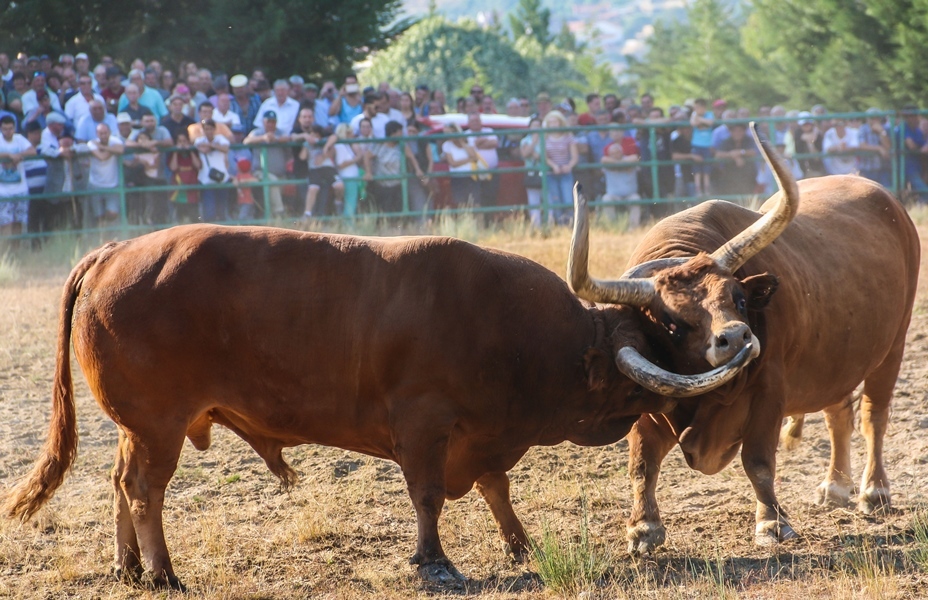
(68, 127)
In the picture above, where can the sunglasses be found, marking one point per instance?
(39, 74)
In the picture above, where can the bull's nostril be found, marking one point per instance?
(722, 341)
(747, 336)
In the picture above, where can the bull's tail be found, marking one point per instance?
(61, 445)
(791, 432)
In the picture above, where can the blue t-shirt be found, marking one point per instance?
(913, 157)
(702, 136)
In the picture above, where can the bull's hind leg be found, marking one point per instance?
(874, 417)
(648, 443)
(494, 487)
(127, 561)
(150, 461)
(837, 487)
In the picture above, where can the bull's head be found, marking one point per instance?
(697, 302)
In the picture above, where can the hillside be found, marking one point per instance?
(619, 26)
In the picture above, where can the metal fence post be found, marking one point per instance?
(266, 188)
(123, 205)
(543, 157)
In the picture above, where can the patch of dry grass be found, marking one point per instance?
(347, 530)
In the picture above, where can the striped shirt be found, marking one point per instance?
(558, 148)
(36, 170)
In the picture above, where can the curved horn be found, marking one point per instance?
(651, 377)
(762, 232)
(633, 292)
(658, 264)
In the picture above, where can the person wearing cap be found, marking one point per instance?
(148, 97)
(245, 103)
(38, 83)
(13, 149)
(370, 111)
(113, 90)
(82, 63)
(79, 105)
(874, 139)
(176, 121)
(282, 105)
(809, 142)
(275, 157)
(124, 125)
(86, 128)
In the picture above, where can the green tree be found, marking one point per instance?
(531, 20)
(285, 36)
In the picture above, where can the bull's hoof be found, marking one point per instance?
(131, 574)
(515, 550)
(874, 500)
(441, 573)
(769, 533)
(162, 582)
(645, 537)
(832, 494)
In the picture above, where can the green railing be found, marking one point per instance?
(124, 228)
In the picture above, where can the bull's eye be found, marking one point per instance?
(672, 327)
(741, 303)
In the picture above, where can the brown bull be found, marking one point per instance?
(449, 359)
(847, 268)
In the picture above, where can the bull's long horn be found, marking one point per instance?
(633, 292)
(651, 377)
(759, 235)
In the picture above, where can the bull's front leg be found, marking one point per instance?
(649, 441)
(422, 453)
(758, 455)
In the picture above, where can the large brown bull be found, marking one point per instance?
(449, 359)
(847, 267)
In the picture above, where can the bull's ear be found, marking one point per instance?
(597, 365)
(759, 289)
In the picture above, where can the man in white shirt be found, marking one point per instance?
(78, 106)
(839, 143)
(224, 113)
(103, 204)
(369, 111)
(282, 105)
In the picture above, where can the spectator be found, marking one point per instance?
(874, 139)
(593, 105)
(702, 120)
(460, 156)
(420, 159)
(224, 113)
(86, 129)
(407, 108)
(282, 105)
(488, 106)
(13, 149)
(485, 144)
(44, 109)
(43, 214)
(739, 176)
(681, 149)
(297, 89)
(168, 81)
(378, 119)
(320, 165)
(245, 103)
(385, 108)
(840, 144)
(915, 149)
(185, 166)
(14, 96)
(323, 104)
(237, 154)
(153, 82)
(147, 97)
(656, 147)
(274, 158)
(263, 90)
(561, 155)
(213, 149)
(530, 149)
(30, 98)
(124, 124)
(176, 121)
(421, 103)
(133, 107)
(346, 161)
(148, 207)
(621, 173)
(439, 97)
(543, 105)
(387, 162)
(809, 147)
(113, 90)
(99, 80)
(610, 102)
(206, 111)
(303, 130)
(243, 192)
(6, 74)
(102, 206)
(78, 106)
(722, 133)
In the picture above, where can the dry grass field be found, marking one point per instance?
(347, 529)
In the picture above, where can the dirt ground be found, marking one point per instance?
(347, 529)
